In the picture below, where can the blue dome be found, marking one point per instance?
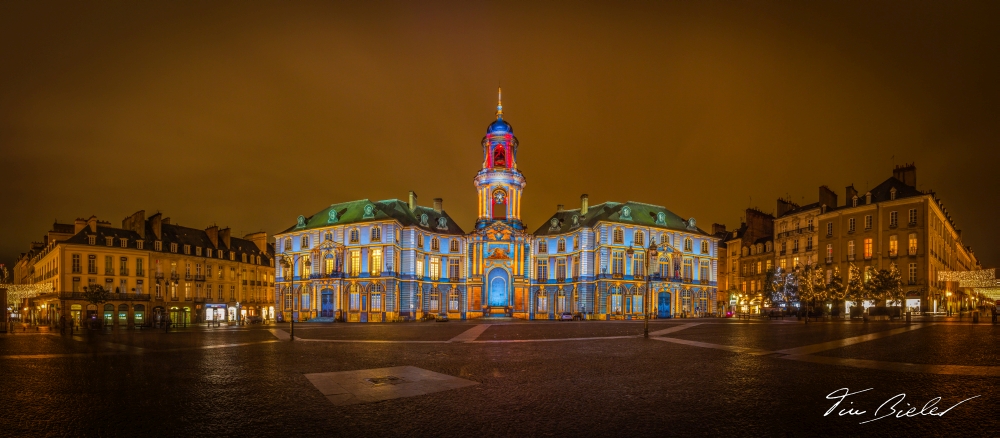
(500, 126)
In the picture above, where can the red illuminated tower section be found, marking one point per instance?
(499, 183)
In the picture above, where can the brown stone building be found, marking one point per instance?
(751, 255)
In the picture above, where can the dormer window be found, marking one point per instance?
(232, 256)
(92, 239)
(854, 201)
(187, 249)
(868, 198)
(244, 257)
(158, 246)
(197, 251)
(208, 252)
(138, 244)
(173, 248)
(109, 240)
(221, 253)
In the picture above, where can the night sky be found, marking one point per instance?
(248, 114)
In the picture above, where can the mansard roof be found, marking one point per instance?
(641, 214)
(797, 210)
(882, 193)
(390, 209)
(170, 233)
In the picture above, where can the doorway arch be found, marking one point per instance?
(499, 288)
(663, 305)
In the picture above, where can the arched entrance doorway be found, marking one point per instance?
(499, 287)
(663, 305)
(326, 303)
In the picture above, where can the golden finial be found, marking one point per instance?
(499, 103)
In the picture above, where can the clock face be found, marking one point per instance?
(498, 196)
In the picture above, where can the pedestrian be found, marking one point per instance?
(62, 325)
(167, 325)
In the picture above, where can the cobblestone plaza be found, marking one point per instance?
(712, 377)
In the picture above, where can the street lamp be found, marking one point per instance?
(651, 255)
(288, 262)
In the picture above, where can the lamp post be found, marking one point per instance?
(288, 262)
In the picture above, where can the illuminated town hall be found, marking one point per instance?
(371, 261)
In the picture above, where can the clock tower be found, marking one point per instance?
(499, 183)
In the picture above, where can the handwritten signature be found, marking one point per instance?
(890, 406)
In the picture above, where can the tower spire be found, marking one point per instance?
(499, 103)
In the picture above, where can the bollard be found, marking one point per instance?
(908, 313)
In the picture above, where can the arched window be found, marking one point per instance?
(543, 246)
(688, 244)
(420, 240)
(305, 242)
(767, 246)
(618, 236)
(704, 247)
(759, 248)
(435, 244)
(639, 238)
(355, 235)
(376, 233)
(454, 245)
(745, 251)
(561, 246)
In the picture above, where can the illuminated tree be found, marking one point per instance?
(836, 290)
(96, 294)
(856, 290)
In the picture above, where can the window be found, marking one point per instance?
(376, 233)
(288, 244)
(109, 240)
(703, 274)
(173, 247)
(92, 239)
(854, 202)
(704, 246)
(638, 263)
(688, 270)
(376, 305)
(850, 225)
(784, 247)
(618, 236)
(454, 245)
(868, 249)
(76, 284)
(76, 263)
(208, 252)
(576, 241)
(435, 244)
(663, 238)
(453, 300)
(809, 224)
(328, 237)
(435, 299)
(220, 292)
(124, 243)
(795, 246)
(638, 238)
(893, 246)
(893, 218)
(329, 265)
(561, 246)
(784, 227)
(109, 267)
(868, 222)
(688, 244)
(453, 269)
(542, 269)
(435, 268)
(158, 246)
(892, 194)
(767, 246)
(420, 240)
(913, 244)
(829, 229)
(576, 267)
(305, 242)
(543, 246)
(913, 216)
(123, 266)
(187, 249)
(913, 273)
(375, 264)
(783, 264)
(850, 250)
(355, 235)
(617, 262)
(355, 262)
(420, 268)
(829, 253)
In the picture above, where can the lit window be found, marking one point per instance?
(435, 268)
(868, 248)
(913, 244)
(355, 262)
(893, 246)
(375, 265)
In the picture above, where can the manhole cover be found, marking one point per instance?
(387, 380)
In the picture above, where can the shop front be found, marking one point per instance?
(215, 313)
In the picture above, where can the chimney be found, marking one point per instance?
(827, 197)
(907, 173)
(559, 207)
(438, 204)
(213, 235)
(413, 201)
(92, 223)
(718, 229)
(259, 239)
(155, 222)
(851, 193)
(784, 206)
(79, 225)
(136, 222)
(224, 235)
(584, 204)
(166, 221)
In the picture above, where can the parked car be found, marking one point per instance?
(566, 316)
(442, 317)
(255, 319)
